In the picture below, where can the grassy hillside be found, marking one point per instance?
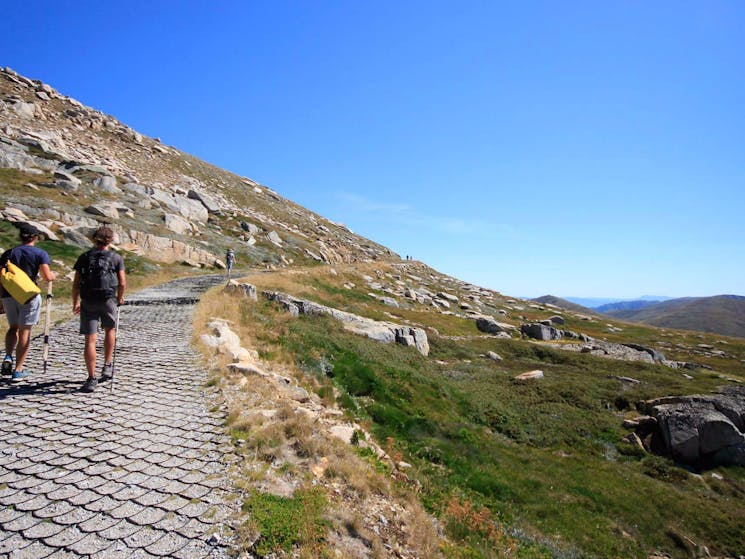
(723, 314)
(543, 461)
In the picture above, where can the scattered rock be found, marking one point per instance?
(530, 375)
(494, 356)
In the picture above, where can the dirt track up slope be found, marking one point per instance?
(136, 472)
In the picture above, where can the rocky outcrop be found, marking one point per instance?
(167, 250)
(386, 332)
(489, 325)
(540, 332)
(242, 289)
(699, 430)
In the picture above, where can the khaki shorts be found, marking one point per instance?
(22, 315)
(93, 311)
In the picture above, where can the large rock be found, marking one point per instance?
(242, 289)
(386, 332)
(78, 236)
(701, 430)
(177, 224)
(23, 109)
(540, 332)
(108, 211)
(250, 228)
(15, 156)
(490, 326)
(274, 238)
(206, 200)
(656, 355)
(107, 184)
(138, 189)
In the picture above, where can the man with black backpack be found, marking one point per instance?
(97, 290)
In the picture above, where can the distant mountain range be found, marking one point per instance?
(596, 302)
(625, 305)
(721, 314)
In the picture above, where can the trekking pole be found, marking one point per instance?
(45, 352)
(113, 356)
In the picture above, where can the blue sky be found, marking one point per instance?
(572, 148)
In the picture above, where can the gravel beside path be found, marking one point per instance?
(136, 472)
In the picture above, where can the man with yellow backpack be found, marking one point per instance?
(22, 316)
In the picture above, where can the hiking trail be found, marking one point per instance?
(135, 473)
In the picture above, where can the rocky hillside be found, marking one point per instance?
(68, 167)
(723, 314)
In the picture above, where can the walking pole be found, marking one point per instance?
(113, 356)
(45, 352)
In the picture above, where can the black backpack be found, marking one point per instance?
(98, 280)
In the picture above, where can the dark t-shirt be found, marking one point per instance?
(28, 258)
(116, 260)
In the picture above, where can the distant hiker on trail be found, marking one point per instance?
(229, 260)
(99, 282)
(21, 317)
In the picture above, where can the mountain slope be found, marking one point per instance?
(563, 303)
(722, 314)
(68, 167)
(510, 467)
(624, 306)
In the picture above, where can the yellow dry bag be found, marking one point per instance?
(16, 282)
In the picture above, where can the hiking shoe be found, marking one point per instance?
(19, 375)
(90, 385)
(107, 373)
(7, 367)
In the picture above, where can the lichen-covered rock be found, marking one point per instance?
(385, 332)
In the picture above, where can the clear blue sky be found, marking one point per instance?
(572, 148)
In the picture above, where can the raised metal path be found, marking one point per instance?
(136, 472)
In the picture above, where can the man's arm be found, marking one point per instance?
(46, 272)
(76, 293)
(122, 277)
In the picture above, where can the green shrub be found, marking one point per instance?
(287, 522)
(663, 469)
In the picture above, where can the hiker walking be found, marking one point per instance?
(97, 290)
(22, 317)
(229, 260)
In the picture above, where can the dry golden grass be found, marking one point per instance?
(278, 439)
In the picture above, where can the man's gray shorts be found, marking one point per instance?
(22, 315)
(93, 311)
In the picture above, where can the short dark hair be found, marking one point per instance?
(103, 235)
(28, 231)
